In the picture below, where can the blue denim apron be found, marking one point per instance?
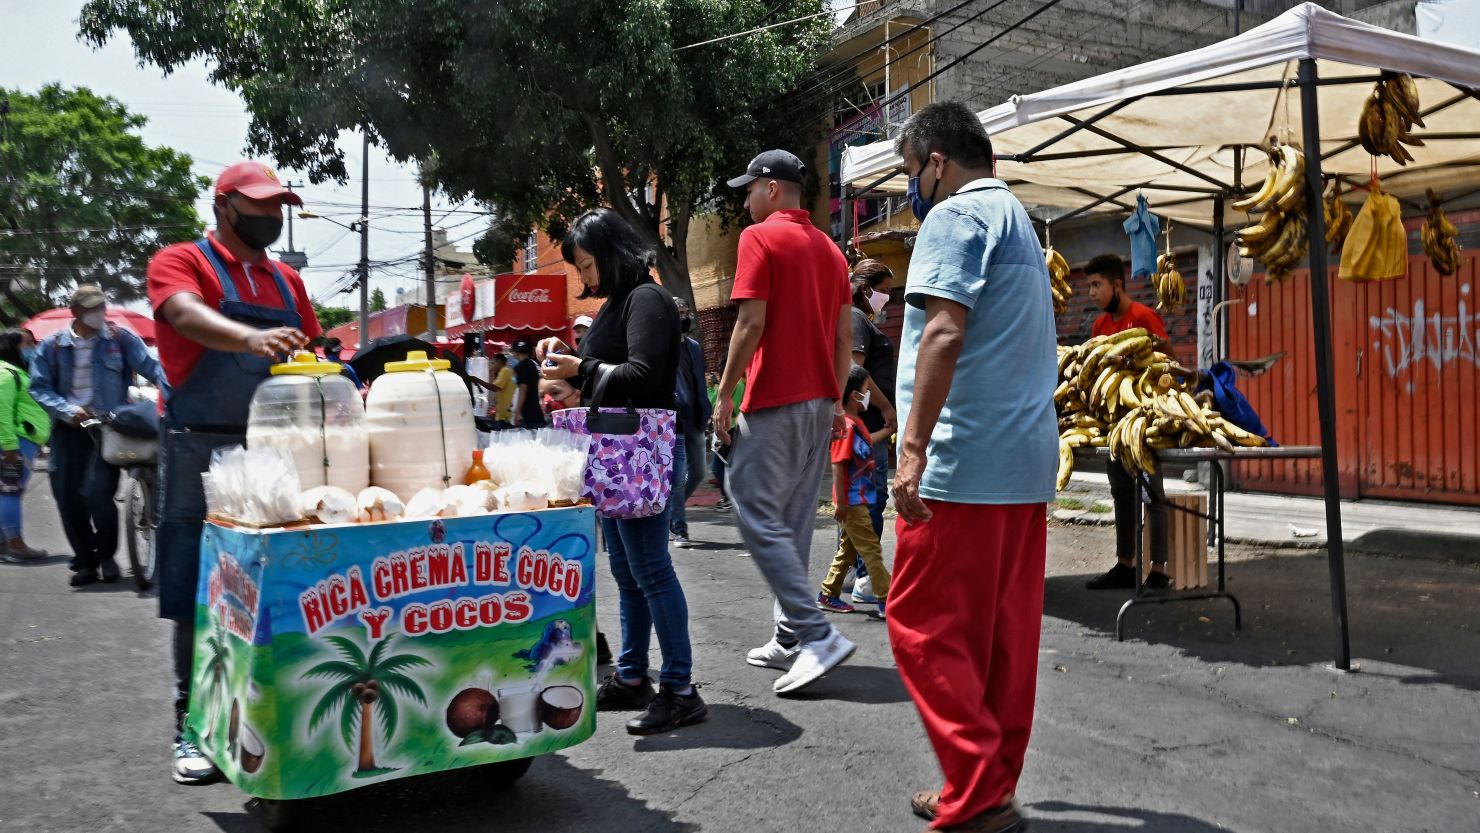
(205, 412)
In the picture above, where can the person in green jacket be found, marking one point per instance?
(24, 428)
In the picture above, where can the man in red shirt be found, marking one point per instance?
(793, 343)
(1107, 290)
(224, 313)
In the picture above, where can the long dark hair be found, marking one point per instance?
(622, 261)
(867, 274)
(10, 347)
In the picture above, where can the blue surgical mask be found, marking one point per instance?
(921, 205)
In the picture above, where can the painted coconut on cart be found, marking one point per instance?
(330, 658)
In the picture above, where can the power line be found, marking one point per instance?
(759, 29)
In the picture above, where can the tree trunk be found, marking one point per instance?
(367, 729)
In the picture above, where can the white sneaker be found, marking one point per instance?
(773, 655)
(814, 660)
(190, 766)
(863, 592)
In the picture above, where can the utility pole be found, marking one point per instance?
(364, 242)
(431, 263)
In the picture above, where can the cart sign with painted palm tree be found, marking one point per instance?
(217, 670)
(364, 687)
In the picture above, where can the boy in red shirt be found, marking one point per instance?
(853, 494)
(1107, 290)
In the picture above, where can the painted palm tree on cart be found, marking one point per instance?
(365, 686)
(218, 667)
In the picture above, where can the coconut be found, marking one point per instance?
(473, 709)
(252, 750)
(560, 706)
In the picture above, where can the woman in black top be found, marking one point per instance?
(873, 350)
(633, 345)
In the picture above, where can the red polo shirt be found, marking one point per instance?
(1139, 315)
(802, 276)
(183, 268)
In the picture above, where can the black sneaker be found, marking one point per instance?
(111, 573)
(668, 711)
(616, 696)
(1156, 582)
(1119, 577)
(83, 578)
(603, 650)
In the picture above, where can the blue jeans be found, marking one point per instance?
(10, 505)
(649, 597)
(688, 473)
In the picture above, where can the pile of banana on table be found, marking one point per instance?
(1120, 392)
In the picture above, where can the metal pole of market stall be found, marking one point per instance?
(1320, 305)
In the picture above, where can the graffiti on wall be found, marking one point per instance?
(1406, 340)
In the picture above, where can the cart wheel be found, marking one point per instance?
(505, 773)
(278, 815)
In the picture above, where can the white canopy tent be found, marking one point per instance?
(1186, 131)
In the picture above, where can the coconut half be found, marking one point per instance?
(233, 726)
(252, 750)
(560, 706)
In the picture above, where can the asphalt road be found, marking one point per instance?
(1188, 726)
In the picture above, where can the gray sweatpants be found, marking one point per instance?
(775, 469)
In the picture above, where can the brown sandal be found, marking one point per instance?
(926, 804)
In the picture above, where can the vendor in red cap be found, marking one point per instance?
(224, 313)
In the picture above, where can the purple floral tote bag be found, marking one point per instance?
(629, 472)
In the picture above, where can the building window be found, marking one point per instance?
(532, 253)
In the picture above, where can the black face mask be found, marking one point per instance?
(256, 231)
(686, 324)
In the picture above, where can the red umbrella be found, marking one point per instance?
(54, 320)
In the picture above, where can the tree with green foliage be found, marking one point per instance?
(331, 317)
(377, 300)
(83, 198)
(541, 109)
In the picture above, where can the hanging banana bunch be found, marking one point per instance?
(1106, 382)
(1438, 235)
(1171, 289)
(1387, 117)
(1338, 219)
(1279, 238)
(1058, 274)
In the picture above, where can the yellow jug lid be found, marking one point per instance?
(304, 363)
(417, 360)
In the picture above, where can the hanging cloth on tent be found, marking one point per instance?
(1143, 227)
(1232, 405)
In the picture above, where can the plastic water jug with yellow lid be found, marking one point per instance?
(312, 411)
(421, 426)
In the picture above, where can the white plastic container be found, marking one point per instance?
(421, 426)
(313, 412)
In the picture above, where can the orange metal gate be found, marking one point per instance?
(1407, 371)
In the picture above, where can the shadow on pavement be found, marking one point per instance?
(554, 797)
(1409, 612)
(728, 727)
(870, 684)
(1108, 819)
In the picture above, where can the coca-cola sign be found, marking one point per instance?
(530, 302)
(537, 295)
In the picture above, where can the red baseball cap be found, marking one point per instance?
(254, 180)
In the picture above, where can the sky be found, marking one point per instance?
(39, 45)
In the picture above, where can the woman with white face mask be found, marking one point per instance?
(874, 352)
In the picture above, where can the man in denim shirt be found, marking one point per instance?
(78, 374)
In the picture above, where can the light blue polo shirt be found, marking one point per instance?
(997, 438)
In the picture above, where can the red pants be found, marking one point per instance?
(965, 611)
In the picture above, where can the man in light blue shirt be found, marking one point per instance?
(977, 458)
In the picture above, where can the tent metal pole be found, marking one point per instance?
(1320, 307)
(1248, 86)
(1105, 134)
(1220, 249)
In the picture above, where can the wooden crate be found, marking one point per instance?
(1187, 544)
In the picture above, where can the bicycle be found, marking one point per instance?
(132, 444)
